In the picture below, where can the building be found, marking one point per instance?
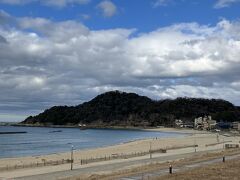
(178, 123)
(181, 124)
(205, 123)
(236, 125)
(212, 124)
(198, 123)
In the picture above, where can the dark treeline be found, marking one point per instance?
(129, 109)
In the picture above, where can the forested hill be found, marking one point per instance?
(129, 109)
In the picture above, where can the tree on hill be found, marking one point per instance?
(129, 109)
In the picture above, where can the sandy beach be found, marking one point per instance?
(179, 145)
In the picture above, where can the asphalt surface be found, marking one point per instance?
(120, 165)
(165, 171)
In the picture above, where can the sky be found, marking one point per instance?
(65, 52)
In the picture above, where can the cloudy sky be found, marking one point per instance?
(66, 52)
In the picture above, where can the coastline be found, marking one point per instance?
(120, 148)
(173, 145)
(138, 128)
(92, 126)
(178, 130)
(166, 130)
(89, 126)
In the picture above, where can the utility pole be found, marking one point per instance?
(72, 158)
(195, 141)
(150, 150)
(223, 143)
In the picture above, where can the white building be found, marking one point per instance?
(236, 125)
(178, 122)
(205, 123)
(198, 122)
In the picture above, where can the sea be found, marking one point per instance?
(43, 140)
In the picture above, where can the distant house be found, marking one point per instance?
(198, 123)
(236, 125)
(181, 124)
(212, 124)
(205, 123)
(178, 123)
(188, 125)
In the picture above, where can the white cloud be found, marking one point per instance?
(85, 16)
(158, 3)
(17, 2)
(55, 3)
(108, 8)
(225, 3)
(63, 3)
(67, 63)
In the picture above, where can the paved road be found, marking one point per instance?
(182, 168)
(107, 167)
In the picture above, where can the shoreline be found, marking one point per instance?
(90, 126)
(131, 128)
(174, 146)
(182, 133)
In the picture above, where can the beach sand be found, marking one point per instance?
(204, 140)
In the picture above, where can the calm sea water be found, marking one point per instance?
(39, 141)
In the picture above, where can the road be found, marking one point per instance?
(120, 165)
(183, 168)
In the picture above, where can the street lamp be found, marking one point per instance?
(72, 158)
(195, 144)
(223, 142)
(150, 150)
